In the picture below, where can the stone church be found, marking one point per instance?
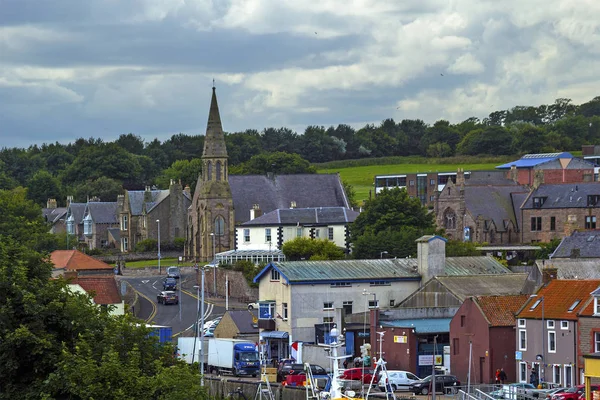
(221, 202)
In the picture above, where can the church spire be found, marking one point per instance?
(214, 141)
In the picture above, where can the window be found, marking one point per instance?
(347, 306)
(104, 243)
(275, 275)
(124, 223)
(218, 170)
(328, 305)
(268, 235)
(246, 235)
(536, 224)
(522, 339)
(576, 303)
(219, 226)
(87, 225)
(341, 284)
(392, 303)
(455, 347)
(550, 324)
(521, 323)
(298, 232)
(538, 202)
(593, 199)
(431, 198)
(449, 219)
(412, 183)
(327, 320)
(564, 324)
(556, 373)
(284, 311)
(568, 376)
(535, 304)
(373, 303)
(552, 342)
(209, 172)
(380, 283)
(590, 222)
(330, 233)
(317, 233)
(596, 341)
(462, 320)
(523, 372)
(266, 310)
(124, 244)
(71, 225)
(552, 223)
(144, 220)
(596, 306)
(432, 182)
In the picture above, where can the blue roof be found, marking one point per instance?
(436, 325)
(531, 160)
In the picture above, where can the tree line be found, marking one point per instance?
(93, 167)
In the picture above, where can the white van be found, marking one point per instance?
(398, 380)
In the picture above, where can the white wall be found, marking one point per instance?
(258, 238)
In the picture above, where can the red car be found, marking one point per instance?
(573, 393)
(356, 374)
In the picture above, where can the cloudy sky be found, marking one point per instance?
(100, 68)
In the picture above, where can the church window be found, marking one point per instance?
(219, 226)
(449, 219)
(209, 171)
(218, 170)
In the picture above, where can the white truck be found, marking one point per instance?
(233, 356)
(189, 351)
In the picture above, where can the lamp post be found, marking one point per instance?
(214, 265)
(201, 327)
(382, 253)
(543, 360)
(158, 224)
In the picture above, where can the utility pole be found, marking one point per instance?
(158, 223)
(433, 369)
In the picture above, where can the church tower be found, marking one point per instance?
(211, 222)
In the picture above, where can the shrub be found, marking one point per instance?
(146, 245)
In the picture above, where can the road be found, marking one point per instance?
(181, 317)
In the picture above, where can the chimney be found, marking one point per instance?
(548, 274)
(51, 203)
(71, 276)
(570, 225)
(293, 204)
(147, 195)
(120, 202)
(538, 178)
(431, 257)
(460, 177)
(255, 212)
(69, 200)
(514, 174)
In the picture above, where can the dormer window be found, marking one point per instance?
(71, 225)
(596, 307)
(87, 225)
(593, 199)
(538, 202)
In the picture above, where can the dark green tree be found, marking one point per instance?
(492, 139)
(134, 144)
(302, 248)
(184, 170)
(440, 132)
(43, 186)
(242, 146)
(278, 163)
(591, 108)
(105, 189)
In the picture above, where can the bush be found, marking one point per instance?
(178, 244)
(147, 245)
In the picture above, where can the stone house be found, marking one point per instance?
(272, 230)
(484, 326)
(98, 218)
(238, 324)
(74, 221)
(547, 339)
(55, 216)
(585, 244)
(484, 208)
(139, 210)
(553, 211)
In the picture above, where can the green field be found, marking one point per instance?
(362, 177)
(164, 262)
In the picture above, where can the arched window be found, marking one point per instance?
(218, 170)
(209, 171)
(449, 219)
(219, 226)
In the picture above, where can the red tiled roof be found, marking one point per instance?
(104, 287)
(560, 295)
(501, 310)
(76, 260)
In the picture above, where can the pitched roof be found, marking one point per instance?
(573, 163)
(500, 310)
(574, 268)
(305, 216)
(244, 320)
(478, 285)
(52, 215)
(137, 200)
(588, 243)
(493, 203)
(102, 212)
(564, 195)
(279, 191)
(104, 287)
(558, 296)
(531, 160)
(77, 209)
(474, 265)
(488, 178)
(76, 260)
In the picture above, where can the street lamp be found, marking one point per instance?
(201, 311)
(214, 265)
(542, 366)
(158, 223)
(382, 253)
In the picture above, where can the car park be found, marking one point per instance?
(168, 297)
(397, 380)
(173, 272)
(170, 284)
(443, 383)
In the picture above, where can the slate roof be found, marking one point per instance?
(575, 268)
(500, 310)
(478, 285)
(278, 192)
(115, 233)
(136, 200)
(76, 260)
(559, 295)
(52, 215)
(531, 160)
(564, 195)
(573, 163)
(493, 203)
(518, 198)
(103, 212)
(104, 287)
(77, 210)
(489, 178)
(243, 319)
(305, 216)
(421, 325)
(588, 243)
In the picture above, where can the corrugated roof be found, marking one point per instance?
(104, 287)
(475, 265)
(531, 160)
(478, 285)
(305, 216)
(500, 310)
(575, 268)
(587, 242)
(430, 325)
(76, 260)
(564, 195)
(558, 297)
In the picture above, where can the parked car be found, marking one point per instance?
(356, 374)
(298, 369)
(170, 284)
(173, 272)
(168, 297)
(443, 383)
(397, 380)
(212, 323)
(573, 393)
(252, 306)
(514, 391)
(283, 363)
